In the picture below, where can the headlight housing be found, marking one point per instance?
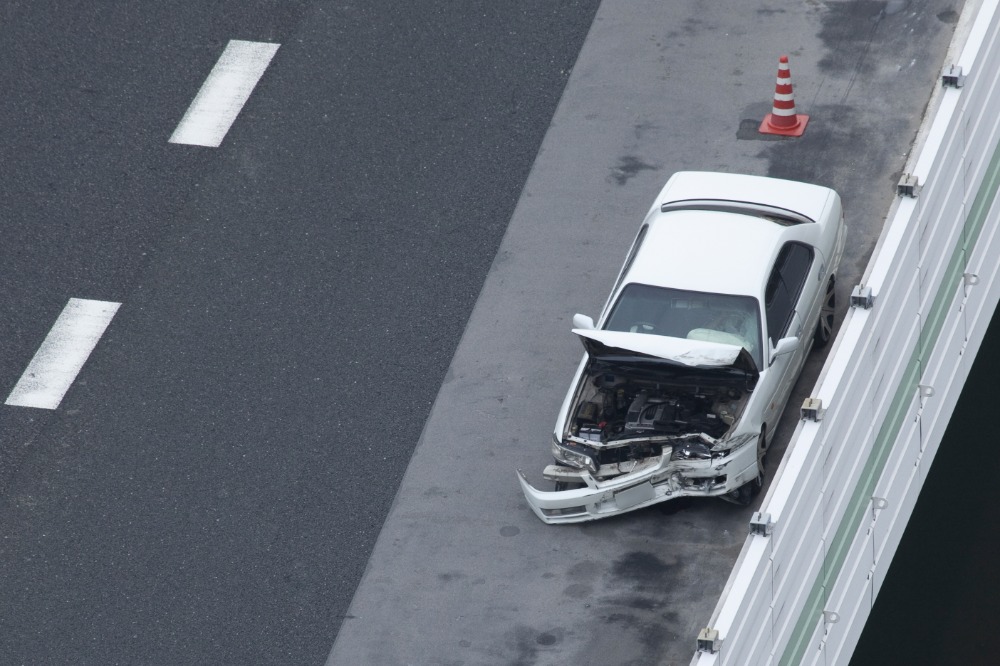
(691, 450)
(573, 455)
(696, 449)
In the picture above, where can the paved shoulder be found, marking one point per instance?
(463, 572)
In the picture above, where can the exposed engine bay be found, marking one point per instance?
(622, 414)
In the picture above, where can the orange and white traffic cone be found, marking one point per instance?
(783, 119)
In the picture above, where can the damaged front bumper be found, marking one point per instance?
(651, 482)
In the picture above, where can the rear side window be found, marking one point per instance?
(784, 287)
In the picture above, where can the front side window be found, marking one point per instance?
(678, 313)
(784, 287)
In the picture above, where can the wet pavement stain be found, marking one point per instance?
(676, 506)
(640, 566)
(896, 6)
(579, 591)
(528, 642)
(628, 167)
(848, 28)
(949, 16)
(750, 131)
(587, 570)
(641, 603)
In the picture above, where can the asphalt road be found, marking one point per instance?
(211, 487)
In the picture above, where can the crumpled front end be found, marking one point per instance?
(648, 482)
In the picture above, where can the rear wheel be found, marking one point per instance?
(824, 327)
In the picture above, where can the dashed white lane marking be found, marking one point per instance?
(224, 93)
(63, 352)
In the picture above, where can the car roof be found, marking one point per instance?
(707, 251)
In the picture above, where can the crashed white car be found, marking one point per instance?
(727, 286)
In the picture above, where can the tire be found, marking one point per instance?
(758, 483)
(824, 327)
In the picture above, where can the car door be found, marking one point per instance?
(788, 299)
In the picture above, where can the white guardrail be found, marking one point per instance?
(819, 549)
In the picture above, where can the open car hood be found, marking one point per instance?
(679, 351)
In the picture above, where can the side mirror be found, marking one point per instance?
(583, 321)
(784, 346)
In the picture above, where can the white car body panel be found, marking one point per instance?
(720, 236)
(694, 353)
(803, 198)
(680, 240)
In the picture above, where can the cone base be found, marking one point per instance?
(766, 127)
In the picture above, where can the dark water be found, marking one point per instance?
(940, 603)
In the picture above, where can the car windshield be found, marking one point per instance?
(731, 320)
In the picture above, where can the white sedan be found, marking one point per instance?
(728, 284)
